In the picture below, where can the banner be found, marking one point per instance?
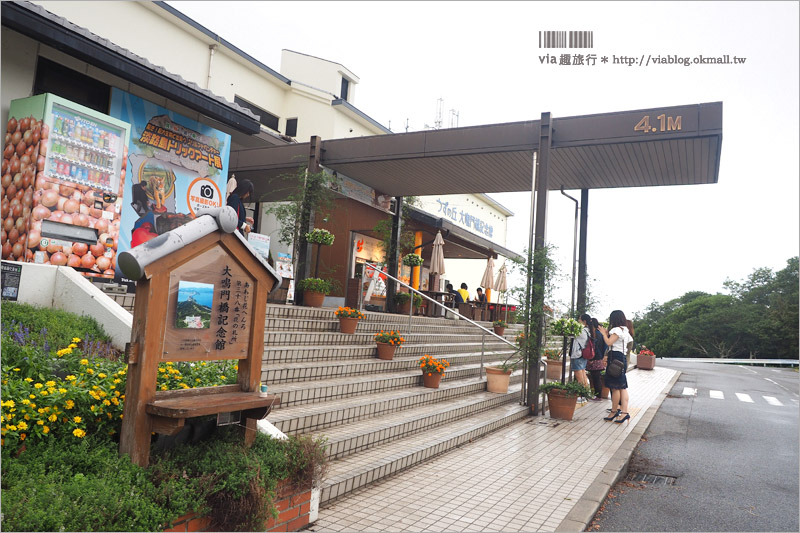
(176, 166)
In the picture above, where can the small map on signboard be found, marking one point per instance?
(195, 302)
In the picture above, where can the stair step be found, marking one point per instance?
(356, 437)
(355, 471)
(303, 338)
(313, 417)
(275, 373)
(331, 324)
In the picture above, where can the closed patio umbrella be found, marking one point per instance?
(487, 282)
(437, 257)
(501, 285)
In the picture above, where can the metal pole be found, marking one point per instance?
(483, 349)
(574, 254)
(410, 312)
(581, 305)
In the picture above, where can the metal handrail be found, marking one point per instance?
(447, 309)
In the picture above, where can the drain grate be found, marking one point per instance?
(652, 479)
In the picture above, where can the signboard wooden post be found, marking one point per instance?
(201, 295)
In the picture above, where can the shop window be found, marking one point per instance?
(267, 118)
(345, 88)
(291, 127)
(57, 79)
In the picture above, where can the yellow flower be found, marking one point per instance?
(11, 428)
(45, 430)
(26, 401)
(8, 403)
(50, 384)
(28, 379)
(70, 378)
(89, 371)
(52, 418)
(16, 370)
(101, 375)
(106, 402)
(22, 436)
(40, 422)
(84, 361)
(77, 420)
(163, 387)
(38, 386)
(222, 377)
(62, 390)
(22, 425)
(162, 369)
(69, 404)
(117, 380)
(75, 339)
(79, 433)
(32, 396)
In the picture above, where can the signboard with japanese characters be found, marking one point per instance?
(211, 305)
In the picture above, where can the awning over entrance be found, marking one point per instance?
(643, 148)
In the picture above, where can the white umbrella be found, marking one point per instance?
(487, 282)
(501, 285)
(437, 257)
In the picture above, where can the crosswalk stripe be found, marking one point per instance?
(773, 401)
(717, 394)
(688, 391)
(744, 397)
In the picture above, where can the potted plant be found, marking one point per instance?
(645, 359)
(412, 260)
(432, 370)
(562, 397)
(499, 326)
(553, 361)
(402, 302)
(348, 319)
(387, 343)
(314, 290)
(606, 392)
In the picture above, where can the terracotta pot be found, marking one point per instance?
(645, 362)
(562, 405)
(431, 379)
(348, 325)
(497, 380)
(553, 369)
(403, 308)
(605, 393)
(386, 351)
(313, 298)
(498, 330)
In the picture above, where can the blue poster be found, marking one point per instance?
(176, 166)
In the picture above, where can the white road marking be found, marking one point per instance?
(748, 369)
(688, 391)
(744, 397)
(773, 401)
(717, 394)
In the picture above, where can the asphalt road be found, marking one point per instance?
(732, 458)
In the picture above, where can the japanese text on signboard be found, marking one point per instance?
(183, 146)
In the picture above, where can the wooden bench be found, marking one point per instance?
(174, 320)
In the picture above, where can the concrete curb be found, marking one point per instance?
(584, 510)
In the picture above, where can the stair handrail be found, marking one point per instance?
(447, 309)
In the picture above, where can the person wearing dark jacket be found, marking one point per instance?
(242, 193)
(598, 364)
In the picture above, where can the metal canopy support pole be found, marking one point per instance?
(536, 302)
(582, 251)
(303, 269)
(393, 258)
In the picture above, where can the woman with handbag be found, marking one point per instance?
(576, 360)
(617, 339)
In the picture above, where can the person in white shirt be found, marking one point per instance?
(617, 339)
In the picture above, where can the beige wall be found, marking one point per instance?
(470, 204)
(319, 73)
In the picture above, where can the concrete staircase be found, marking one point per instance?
(376, 414)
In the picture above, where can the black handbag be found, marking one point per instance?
(615, 368)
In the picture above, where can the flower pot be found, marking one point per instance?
(497, 380)
(645, 362)
(605, 393)
(553, 369)
(313, 298)
(499, 330)
(403, 308)
(431, 379)
(348, 325)
(562, 405)
(386, 351)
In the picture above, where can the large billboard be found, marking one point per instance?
(176, 166)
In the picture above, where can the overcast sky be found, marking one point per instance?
(482, 59)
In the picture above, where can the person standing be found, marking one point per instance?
(577, 361)
(598, 364)
(242, 193)
(617, 339)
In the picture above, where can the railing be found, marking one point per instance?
(447, 310)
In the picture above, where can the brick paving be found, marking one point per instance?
(527, 476)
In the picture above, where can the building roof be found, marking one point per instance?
(605, 150)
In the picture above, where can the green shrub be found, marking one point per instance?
(60, 485)
(401, 298)
(314, 285)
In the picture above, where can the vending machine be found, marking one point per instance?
(63, 180)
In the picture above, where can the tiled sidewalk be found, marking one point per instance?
(526, 477)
